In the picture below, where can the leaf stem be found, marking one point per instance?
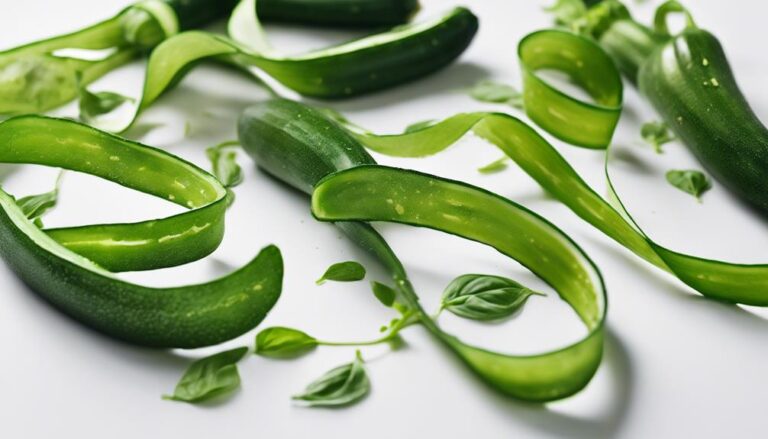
(408, 319)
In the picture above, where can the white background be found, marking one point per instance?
(676, 365)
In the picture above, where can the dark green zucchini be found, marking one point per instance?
(339, 13)
(690, 83)
(379, 61)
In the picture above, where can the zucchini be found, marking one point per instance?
(339, 13)
(688, 80)
(73, 268)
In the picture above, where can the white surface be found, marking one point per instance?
(676, 365)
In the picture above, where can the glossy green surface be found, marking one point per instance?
(339, 13)
(300, 146)
(738, 283)
(688, 80)
(69, 267)
(361, 66)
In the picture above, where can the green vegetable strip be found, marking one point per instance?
(375, 193)
(300, 146)
(69, 266)
(360, 66)
(738, 283)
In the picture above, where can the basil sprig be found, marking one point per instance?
(690, 181)
(281, 342)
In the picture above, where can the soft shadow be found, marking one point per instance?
(546, 419)
(665, 284)
(6, 170)
(625, 155)
(456, 77)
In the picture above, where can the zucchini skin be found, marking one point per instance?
(196, 13)
(691, 85)
(380, 66)
(340, 13)
(277, 134)
(344, 13)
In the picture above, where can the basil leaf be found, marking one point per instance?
(224, 163)
(349, 271)
(93, 105)
(418, 126)
(567, 11)
(656, 134)
(35, 206)
(341, 386)
(209, 377)
(484, 297)
(497, 93)
(689, 181)
(282, 342)
(385, 294)
(495, 166)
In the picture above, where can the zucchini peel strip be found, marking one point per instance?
(73, 267)
(360, 66)
(302, 147)
(735, 283)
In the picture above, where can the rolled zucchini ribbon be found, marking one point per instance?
(568, 118)
(302, 147)
(73, 267)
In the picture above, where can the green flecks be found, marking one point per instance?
(705, 62)
(714, 82)
(399, 209)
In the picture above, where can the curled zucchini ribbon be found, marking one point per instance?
(360, 66)
(566, 118)
(302, 147)
(73, 267)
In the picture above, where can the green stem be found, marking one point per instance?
(410, 318)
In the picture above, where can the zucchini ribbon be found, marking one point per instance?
(569, 118)
(73, 267)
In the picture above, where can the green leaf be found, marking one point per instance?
(209, 377)
(282, 342)
(35, 206)
(689, 181)
(656, 134)
(495, 166)
(93, 105)
(497, 93)
(385, 294)
(418, 126)
(484, 297)
(341, 386)
(349, 271)
(567, 11)
(224, 163)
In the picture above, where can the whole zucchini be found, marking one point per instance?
(340, 13)
(688, 80)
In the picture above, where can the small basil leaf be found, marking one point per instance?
(348, 271)
(340, 386)
(209, 377)
(385, 294)
(495, 166)
(484, 297)
(692, 182)
(282, 342)
(497, 93)
(418, 126)
(224, 164)
(656, 134)
(93, 105)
